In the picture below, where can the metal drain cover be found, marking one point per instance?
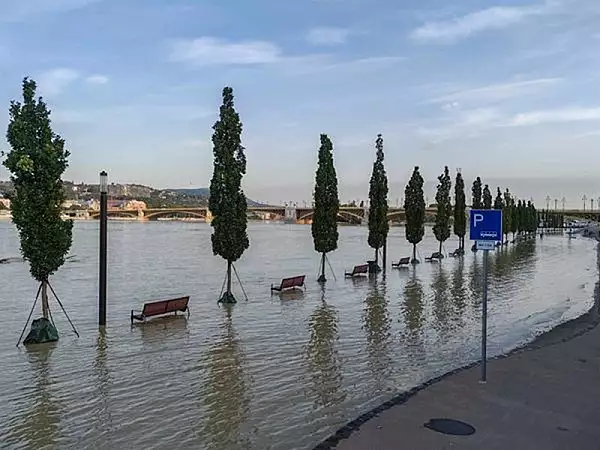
(450, 426)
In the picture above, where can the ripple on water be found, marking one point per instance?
(276, 372)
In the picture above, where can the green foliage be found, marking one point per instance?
(460, 206)
(499, 200)
(531, 223)
(487, 198)
(507, 213)
(227, 201)
(414, 207)
(476, 194)
(37, 160)
(324, 225)
(441, 229)
(378, 204)
(517, 216)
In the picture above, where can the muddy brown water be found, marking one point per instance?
(270, 373)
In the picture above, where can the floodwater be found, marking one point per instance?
(270, 373)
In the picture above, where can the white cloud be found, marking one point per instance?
(471, 123)
(497, 92)
(555, 116)
(327, 36)
(207, 51)
(494, 18)
(97, 79)
(326, 63)
(54, 81)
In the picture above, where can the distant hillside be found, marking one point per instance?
(203, 192)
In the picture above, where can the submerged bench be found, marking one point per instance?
(457, 252)
(402, 263)
(289, 283)
(363, 269)
(434, 257)
(161, 307)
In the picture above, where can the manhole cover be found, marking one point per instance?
(450, 426)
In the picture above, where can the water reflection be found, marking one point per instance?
(225, 393)
(39, 426)
(103, 424)
(324, 364)
(476, 277)
(413, 304)
(441, 299)
(378, 325)
(459, 294)
(162, 329)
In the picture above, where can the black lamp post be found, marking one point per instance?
(103, 242)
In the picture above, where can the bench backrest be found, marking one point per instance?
(363, 268)
(165, 306)
(404, 260)
(178, 304)
(292, 282)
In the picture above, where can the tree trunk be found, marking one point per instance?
(376, 256)
(322, 278)
(384, 256)
(440, 250)
(45, 306)
(414, 251)
(228, 278)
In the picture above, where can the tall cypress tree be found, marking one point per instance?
(327, 204)
(441, 229)
(460, 214)
(37, 161)
(532, 222)
(227, 201)
(378, 204)
(487, 198)
(519, 217)
(507, 213)
(476, 194)
(499, 200)
(414, 208)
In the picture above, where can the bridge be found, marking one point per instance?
(346, 214)
(290, 214)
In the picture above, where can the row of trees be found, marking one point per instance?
(38, 159)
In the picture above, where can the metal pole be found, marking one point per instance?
(103, 242)
(484, 319)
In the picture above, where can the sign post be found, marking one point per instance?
(485, 228)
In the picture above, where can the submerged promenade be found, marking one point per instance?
(543, 396)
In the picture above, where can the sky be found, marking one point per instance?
(504, 89)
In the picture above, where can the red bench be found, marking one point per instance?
(289, 283)
(161, 307)
(403, 262)
(363, 269)
(435, 256)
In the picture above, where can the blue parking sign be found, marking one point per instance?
(485, 225)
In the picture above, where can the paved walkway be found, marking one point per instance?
(546, 397)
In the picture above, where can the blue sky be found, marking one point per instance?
(504, 89)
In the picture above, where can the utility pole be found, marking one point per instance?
(103, 245)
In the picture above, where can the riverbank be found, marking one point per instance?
(540, 396)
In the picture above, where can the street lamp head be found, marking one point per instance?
(103, 182)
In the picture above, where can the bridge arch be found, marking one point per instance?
(186, 213)
(347, 216)
(112, 213)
